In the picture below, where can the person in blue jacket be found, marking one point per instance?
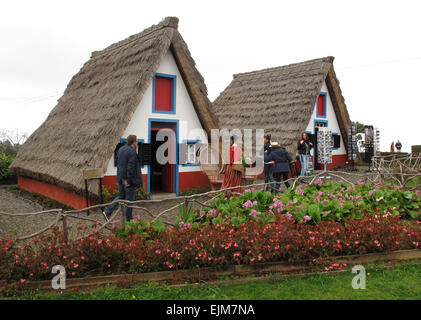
(281, 157)
(129, 176)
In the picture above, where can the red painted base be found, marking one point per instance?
(53, 192)
(186, 180)
(190, 180)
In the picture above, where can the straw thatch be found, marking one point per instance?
(280, 100)
(82, 131)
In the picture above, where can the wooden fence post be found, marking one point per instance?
(65, 228)
(121, 207)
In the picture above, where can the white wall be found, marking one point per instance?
(331, 119)
(185, 113)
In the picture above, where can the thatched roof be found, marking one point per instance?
(280, 100)
(81, 132)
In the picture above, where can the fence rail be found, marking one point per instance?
(399, 169)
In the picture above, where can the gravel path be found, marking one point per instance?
(21, 226)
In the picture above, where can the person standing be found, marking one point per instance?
(398, 145)
(392, 147)
(304, 146)
(268, 167)
(232, 177)
(129, 175)
(281, 157)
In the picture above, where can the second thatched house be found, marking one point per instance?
(286, 101)
(141, 85)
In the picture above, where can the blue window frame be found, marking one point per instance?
(173, 97)
(324, 107)
(191, 142)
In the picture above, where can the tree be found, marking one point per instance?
(359, 125)
(11, 141)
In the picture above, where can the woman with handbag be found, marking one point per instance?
(281, 158)
(304, 147)
(233, 171)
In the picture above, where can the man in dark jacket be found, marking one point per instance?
(129, 176)
(268, 168)
(281, 166)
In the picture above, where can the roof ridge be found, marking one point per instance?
(267, 70)
(168, 22)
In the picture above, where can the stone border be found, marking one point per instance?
(178, 277)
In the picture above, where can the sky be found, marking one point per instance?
(375, 44)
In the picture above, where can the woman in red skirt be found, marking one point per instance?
(233, 172)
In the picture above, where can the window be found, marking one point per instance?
(336, 141)
(321, 105)
(188, 152)
(192, 153)
(163, 93)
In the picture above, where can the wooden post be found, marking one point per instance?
(121, 207)
(101, 198)
(65, 229)
(419, 187)
(87, 197)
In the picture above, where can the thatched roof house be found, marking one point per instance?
(82, 131)
(283, 101)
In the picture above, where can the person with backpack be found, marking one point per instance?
(281, 157)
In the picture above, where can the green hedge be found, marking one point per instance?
(5, 173)
(416, 148)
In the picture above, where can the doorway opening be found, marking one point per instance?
(162, 172)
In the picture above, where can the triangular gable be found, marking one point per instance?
(82, 131)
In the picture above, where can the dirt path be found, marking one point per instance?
(19, 226)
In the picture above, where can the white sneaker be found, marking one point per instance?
(105, 216)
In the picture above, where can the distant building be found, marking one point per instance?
(286, 101)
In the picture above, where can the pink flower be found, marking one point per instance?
(22, 280)
(75, 265)
(306, 218)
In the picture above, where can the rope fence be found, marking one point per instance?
(402, 170)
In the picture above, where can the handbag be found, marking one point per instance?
(238, 167)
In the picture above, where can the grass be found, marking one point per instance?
(400, 282)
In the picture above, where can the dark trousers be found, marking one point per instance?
(123, 194)
(284, 175)
(269, 175)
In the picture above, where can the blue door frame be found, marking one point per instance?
(150, 120)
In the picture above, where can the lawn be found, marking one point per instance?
(401, 282)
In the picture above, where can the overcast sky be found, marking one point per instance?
(376, 45)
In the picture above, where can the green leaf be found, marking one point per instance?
(158, 225)
(314, 212)
(414, 214)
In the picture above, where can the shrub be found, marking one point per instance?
(5, 162)
(416, 149)
(284, 239)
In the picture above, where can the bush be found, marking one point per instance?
(416, 149)
(284, 239)
(5, 161)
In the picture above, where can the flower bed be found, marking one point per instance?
(330, 201)
(283, 239)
